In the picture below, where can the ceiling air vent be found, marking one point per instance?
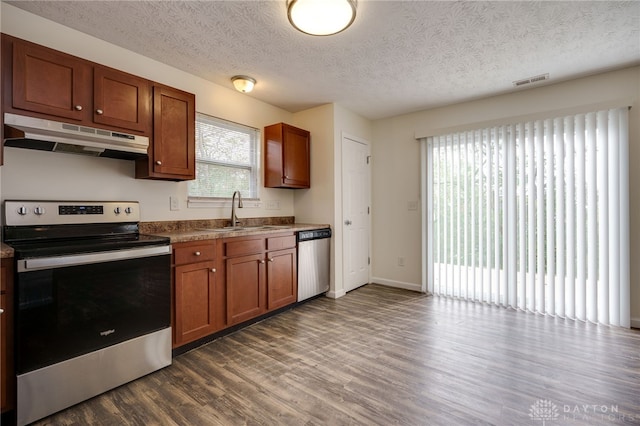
(530, 80)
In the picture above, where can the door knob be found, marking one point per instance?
(99, 112)
(78, 107)
(347, 222)
(159, 163)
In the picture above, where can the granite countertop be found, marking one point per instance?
(5, 251)
(184, 231)
(186, 235)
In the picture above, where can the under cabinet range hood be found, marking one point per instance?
(46, 135)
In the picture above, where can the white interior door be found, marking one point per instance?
(355, 213)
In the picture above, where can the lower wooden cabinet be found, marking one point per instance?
(198, 293)
(282, 278)
(7, 377)
(261, 275)
(245, 288)
(221, 283)
(194, 300)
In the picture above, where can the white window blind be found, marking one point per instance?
(533, 216)
(226, 159)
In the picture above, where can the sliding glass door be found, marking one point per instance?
(533, 215)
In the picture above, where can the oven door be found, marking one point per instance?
(67, 306)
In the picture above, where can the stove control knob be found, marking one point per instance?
(22, 211)
(39, 210)
(128, 210)
(116, 210)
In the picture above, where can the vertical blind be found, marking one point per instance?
(533, 216)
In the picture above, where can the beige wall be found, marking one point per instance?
(396, 167)
(322, 203)
(42, 175)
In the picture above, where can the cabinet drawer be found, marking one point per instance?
(194, 253)
(279, 243)
(240, 248)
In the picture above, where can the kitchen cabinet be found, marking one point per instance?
(121, 100)
(287, 157)
(49, 84)
(198, 294)
(7, 378)
(282, 275)
(45, 83)
(172, 150)
(260, 275)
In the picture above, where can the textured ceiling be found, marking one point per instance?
(397, 57)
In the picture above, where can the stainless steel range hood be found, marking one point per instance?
(47, 135)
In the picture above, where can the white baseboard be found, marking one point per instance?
(336, 294)
(397, 284)
(635, 322)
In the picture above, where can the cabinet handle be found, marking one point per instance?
(1, 311)
(197, 253)
(99, 112)
(262, 261)
(271, 259)
(159, 163)
(213, 269)
(78, 107)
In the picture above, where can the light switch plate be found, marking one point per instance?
(174, 203)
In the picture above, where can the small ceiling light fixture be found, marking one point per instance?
(243, 83)
(321, 17)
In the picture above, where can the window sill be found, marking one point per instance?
(207, 203)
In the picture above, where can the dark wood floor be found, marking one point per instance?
(389, 357)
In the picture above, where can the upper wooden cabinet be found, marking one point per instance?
(49, 84)
(121, 100)
(172, 155)
(45, 83)
(287, 157)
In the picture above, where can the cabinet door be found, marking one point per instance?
(296, 157)
(173, 133)
(282, 278)
(195, 302)
(3, 353)
(50, 82)
(121, 100)
(245, 287)
(7, 377)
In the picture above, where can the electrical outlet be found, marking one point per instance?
(174, 203)
(412, 205)
(400, 261)
(272, 205)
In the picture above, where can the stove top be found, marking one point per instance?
(57, 228)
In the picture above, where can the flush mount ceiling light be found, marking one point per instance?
(321, 17)
(242, 83)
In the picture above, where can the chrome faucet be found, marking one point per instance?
(234, 219)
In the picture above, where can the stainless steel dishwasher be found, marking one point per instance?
(314, 249)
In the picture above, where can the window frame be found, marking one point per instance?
(254, 168)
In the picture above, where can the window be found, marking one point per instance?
(226, 159)
(533, 216)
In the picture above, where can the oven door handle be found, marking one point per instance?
(26, 265)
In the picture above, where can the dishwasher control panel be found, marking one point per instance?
(314, 234)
